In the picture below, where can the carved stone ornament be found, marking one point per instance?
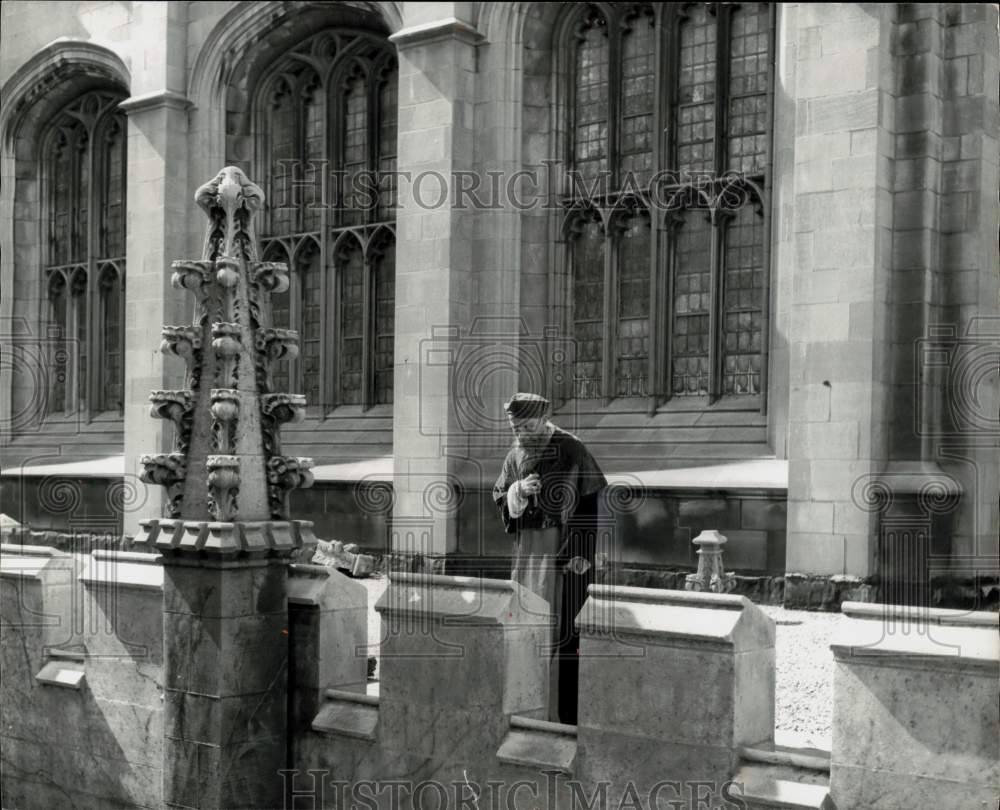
(227, 481)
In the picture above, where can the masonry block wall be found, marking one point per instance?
(82, 657)
(893, 136)
(883, 309)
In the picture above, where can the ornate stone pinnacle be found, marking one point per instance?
(227, 481)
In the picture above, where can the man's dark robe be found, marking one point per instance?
(567, 504)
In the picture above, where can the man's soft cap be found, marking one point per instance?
(526, 406)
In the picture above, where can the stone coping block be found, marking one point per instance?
(462, 600)
(924, 615)
(323, 587)
(30, 562)
(916, 722)
(123, 569)
(328, 617)
(931, 645)
(680, 616)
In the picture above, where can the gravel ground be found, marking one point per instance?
(804, 663)
(804, 673)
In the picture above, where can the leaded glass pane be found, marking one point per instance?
(691, 303)
(588, 311)
(111, 367)
(355, 149)
(58, 354)
(748, 72)
(311, 285)
(632, 367)
(352, 324)
(743, 308)
(283, 156)
(61, 195)
(388, 95)
(113, 204)
(81, 238)
(695, 115)
(385, 316)
(79, 304)
(281, 318)
(638, 88)
(314, 114)
(590, 127)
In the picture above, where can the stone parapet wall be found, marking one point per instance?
(81, 693)
(933, 674)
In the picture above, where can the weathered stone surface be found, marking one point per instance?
(923, 677)
(672, 682)
(348, 718)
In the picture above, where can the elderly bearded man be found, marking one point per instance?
(547, 494)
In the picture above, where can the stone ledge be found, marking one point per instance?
(65, 673)
(973, 648)
(348, 715)
(224, 539)
(770, 753)
(437, 29)
(123, 569)
(539, 745)
(921, 615)
(763, 791)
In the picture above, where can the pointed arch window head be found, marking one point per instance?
(325, 130)
(666, 139)
(83, 203)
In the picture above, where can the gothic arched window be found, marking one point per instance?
(83, 203)
(666, 135)
(325, 126)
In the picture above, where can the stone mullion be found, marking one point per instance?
(296, 311)
(367, 333)
(611, 246)
(121, 336)
(670, 230)
(721, 87)
(715, 316)
(78, 253)
(333, 140)
(765, 318)
(661, 108)
(371, 215)
(614, 110)
(92, 382)
(671, 71)
(715, 305)
(611, 243)
(325, 360)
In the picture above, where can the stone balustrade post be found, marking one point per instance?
(459, 656)
(672, 684)
(328, 628)
(916, 722)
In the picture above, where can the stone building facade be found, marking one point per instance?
(748, 250)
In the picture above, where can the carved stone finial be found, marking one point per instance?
(710, 576)
(231, 201)
(227, 481)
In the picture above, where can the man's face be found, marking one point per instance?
(527, 429)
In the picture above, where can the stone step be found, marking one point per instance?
(347, 714)
(764, 788)
(795, 759)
